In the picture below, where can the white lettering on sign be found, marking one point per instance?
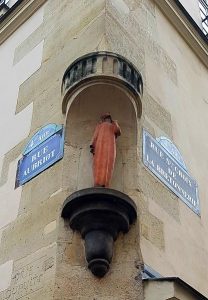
(44, 135)
(39, 138)
(173, 169)
(39, 153)
(172, 174)
(39, 159)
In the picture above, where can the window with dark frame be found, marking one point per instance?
(3, 7)
(203, 6)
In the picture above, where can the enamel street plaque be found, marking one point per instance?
(170, 171)
(44, 149)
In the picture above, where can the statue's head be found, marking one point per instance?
(106, 118)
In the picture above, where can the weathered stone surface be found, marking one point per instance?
(74, 252)
(161, 59)
(119, 171)
(139, 27)
(1, 234)
(28, 44)
(159, 193)
(151, 227)
(120, 42)
(18, 125)
(7, 159)
(6, 275)
(50, 227)
(10, 198)
(135, 4)
(72, 154)
(55, 56)
(26, 234)
(31, 276)
(137, 30)
(36, 191)
(129, 169)
(116, 284)
(157, 114)
(85, 178)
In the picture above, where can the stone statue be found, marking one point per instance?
(103, 148)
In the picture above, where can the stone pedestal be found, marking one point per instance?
(99, 214)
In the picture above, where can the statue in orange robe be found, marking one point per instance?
(103, 148)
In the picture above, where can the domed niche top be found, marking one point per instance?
(99, 66)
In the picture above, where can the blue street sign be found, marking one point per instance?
(41, 157)
(165, 165)
(43, 134)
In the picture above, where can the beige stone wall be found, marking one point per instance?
(44, 259)
(39, 255)
(167, 290)
(175, 106)
(185, 101)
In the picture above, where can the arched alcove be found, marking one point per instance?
(92, 85)
(82, 116)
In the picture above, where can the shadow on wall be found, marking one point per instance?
(82, 116)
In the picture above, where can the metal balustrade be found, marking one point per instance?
(3, 7)
(6, 5)
(203, 6)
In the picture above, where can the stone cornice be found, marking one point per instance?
(100, 65)
(16, 16)
(186, 26)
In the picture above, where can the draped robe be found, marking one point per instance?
(104, 150)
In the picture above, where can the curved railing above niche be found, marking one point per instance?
(100, 66)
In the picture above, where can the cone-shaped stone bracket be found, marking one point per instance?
(99, 214)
